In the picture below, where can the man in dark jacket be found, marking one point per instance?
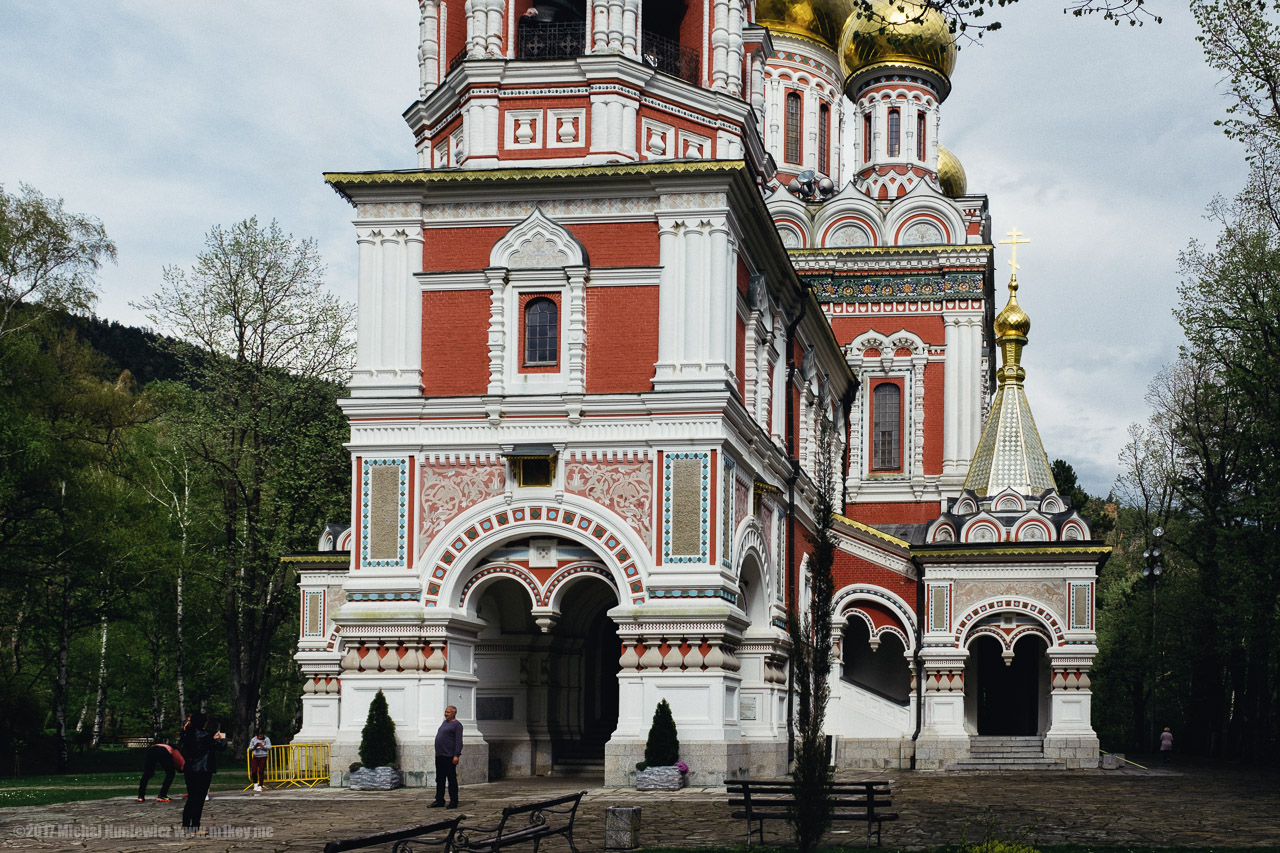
(448, 750)
(198, 749)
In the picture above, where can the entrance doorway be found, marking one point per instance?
(1007, 694)
(547, 680)
(582, 688)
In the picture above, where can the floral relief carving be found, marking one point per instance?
(741, 501)
(448, 491)
(624, 488)
(1049, 593)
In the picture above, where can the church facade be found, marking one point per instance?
(640, 290)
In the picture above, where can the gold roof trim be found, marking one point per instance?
(327, 557)
(456, 176)
(871, 531)
(1013, 550)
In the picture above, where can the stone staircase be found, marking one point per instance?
(578, 766)
(1007, 753)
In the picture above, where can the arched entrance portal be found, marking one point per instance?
(1007, 693)
(546, 657)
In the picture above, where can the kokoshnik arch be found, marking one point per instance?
(650, 250)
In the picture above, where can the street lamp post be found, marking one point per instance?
(1152, 571)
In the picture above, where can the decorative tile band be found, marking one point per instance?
(850, 288)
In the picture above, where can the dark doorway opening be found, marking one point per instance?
(884, 671)
(582, 687)
(1008, 694)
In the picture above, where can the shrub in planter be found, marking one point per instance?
(661, 770)
(378, 751)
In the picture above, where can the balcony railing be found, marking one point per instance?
(568, 40)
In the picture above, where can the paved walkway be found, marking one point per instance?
(1196, 806)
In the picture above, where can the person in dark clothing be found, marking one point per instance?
(165, 757)
(198, 750)
(448, 750)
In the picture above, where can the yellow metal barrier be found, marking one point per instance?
(294, 764)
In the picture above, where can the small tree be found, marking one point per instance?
(378, 738)
(811, 660)
(663, 747)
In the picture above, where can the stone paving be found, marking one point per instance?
(1196, 806)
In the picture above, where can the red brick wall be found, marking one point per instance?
(929, 327)
(934, 399)
(632, 244)
(621, 363)
(907, 512)
(455, 335)
(849, 569)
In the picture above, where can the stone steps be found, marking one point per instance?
(1007, 753)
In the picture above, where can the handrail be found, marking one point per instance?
(292, 765)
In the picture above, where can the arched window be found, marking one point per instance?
(824, 139)
(866, 138)
(895, 132)
(792, 153)
(886, 428)
(541, 332)
(920, 136)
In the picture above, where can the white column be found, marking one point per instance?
(970, 383)
(631, 40)
(598, 17)
(576, 343)
(388, 355)
(494, 27)
(497, 280)
(720, 45)
(368, 312)
(428, 46)
(670, 294)
(737, 19)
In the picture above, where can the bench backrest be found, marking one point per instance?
(538, 812)
(772, 793)
(447, 826)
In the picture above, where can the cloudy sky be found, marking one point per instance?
(165, 117)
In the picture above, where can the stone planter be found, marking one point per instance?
(375, 779)
(667, 778)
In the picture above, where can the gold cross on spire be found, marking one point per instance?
(1013, 242)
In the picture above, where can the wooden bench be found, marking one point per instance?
(438, 834)
(758, 800)
(523, 824)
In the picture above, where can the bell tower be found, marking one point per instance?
(574, 82)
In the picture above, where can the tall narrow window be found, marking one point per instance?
(792, 154)
(824, 139)
(920, 149)
(886, 428)
(866, 138)
(541, 332)
(895, 132)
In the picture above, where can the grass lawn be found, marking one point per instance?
(73, 787)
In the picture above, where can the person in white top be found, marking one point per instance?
(259, 749)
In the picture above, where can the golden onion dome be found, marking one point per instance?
(820, 20)
(1012, 321)
(951, 176)
(901, 32)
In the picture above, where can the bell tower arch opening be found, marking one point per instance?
(1007, 689)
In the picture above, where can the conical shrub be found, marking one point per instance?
(378, 739)
(663, 747)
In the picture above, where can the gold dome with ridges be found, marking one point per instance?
(819, 20)
(951, 176)
(898, 32)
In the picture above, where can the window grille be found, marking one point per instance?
(824, 139)
(541, 332)
(792, 153)
(895, 132)
(886, 428)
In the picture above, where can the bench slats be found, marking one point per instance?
(563, 812)
(407, 832)
(758, 800)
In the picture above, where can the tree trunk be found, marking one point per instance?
(60, 688)
(101, 703)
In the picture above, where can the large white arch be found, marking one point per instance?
(1036, 610)
(622, 552)
(847, 598)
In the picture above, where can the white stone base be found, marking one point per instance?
(873, 753)
(1079, 753)
(935, 753)
(710, 762)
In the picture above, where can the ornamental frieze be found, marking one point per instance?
(626, 488)
(846, 288)
(448, 490)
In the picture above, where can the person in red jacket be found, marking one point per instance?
(166, 757)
